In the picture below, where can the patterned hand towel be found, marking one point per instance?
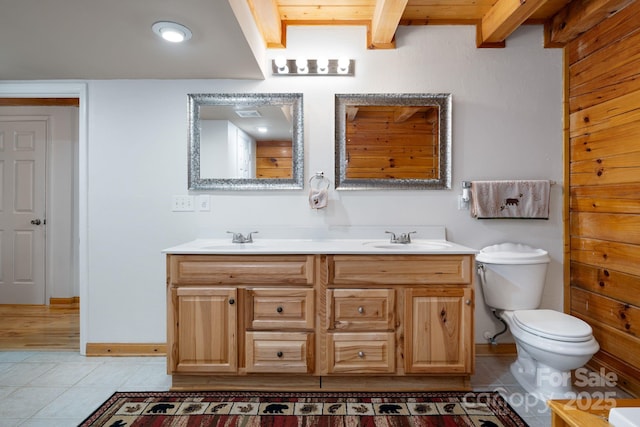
(510, 199)
(318, 198)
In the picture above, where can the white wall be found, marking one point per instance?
(507, 124)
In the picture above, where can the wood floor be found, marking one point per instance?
(39, 327)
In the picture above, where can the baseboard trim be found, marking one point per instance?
(506, 349)
(119, 349)
(160, 349)
(64, 302)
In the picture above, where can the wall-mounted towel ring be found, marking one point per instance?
(319, 182)
(319, 192)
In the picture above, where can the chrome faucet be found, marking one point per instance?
(239, 238)
(403, 238)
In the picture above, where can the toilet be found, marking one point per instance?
(550, 344)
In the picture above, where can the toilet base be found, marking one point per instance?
(542, 381)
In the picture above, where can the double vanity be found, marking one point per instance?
(320, 314)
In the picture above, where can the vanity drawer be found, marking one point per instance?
(399, 269)
(367, 352)
(280, 308)
(241, 269)
(279, 352)
(361, 309)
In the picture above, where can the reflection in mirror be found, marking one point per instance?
(393, 141)
(245, 141)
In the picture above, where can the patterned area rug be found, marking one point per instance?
(199, 409)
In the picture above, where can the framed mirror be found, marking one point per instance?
(393, 141)
(246, 141)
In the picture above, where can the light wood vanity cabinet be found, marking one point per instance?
(238, 314)
(427, 301)
(334, 322)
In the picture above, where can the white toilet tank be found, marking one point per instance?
(512, 275)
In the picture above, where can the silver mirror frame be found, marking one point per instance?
(442, 100)
(197, 100)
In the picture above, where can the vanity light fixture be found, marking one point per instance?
(171, 31)
(313, 67)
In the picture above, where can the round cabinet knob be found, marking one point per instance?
(232, 301)
(361, 354)
(361, 309)
(279, 309)
(279, 354)
(468, 302)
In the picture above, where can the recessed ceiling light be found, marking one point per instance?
(246, 114)
(171, 31)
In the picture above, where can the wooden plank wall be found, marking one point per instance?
(384, 143)
(604, 181)
(274, 159)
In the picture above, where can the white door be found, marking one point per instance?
(22, 209)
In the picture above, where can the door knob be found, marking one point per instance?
(36, 222)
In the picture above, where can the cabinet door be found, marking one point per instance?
(205, 331)
(439, 330)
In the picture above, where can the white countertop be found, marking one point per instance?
(319, 246)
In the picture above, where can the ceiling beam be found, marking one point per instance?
(384, 24)
(267, 17)
(578, 17)
(504, 17)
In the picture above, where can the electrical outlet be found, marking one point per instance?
(204, 204)
(182, 204)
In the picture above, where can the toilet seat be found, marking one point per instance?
(553, 325)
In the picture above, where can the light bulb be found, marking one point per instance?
(281, 63)
(301, 63)
(172, 35)
(322, 65)
(343, 65)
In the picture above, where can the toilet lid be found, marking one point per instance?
(553, 325)
(512, 253)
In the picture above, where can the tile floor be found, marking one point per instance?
(60, 389)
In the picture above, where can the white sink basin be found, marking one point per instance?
(624, 417)
(415, 245)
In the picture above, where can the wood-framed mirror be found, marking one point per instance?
(393, 141)
(240, 141)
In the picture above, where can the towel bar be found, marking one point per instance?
(467, 184)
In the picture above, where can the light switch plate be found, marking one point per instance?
(182, 204)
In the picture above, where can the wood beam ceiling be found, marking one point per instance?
(564, 19)
(503, 19)
(267, 17)
(385, 21)
(578, 17)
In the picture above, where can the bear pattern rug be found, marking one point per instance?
(473, 409)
